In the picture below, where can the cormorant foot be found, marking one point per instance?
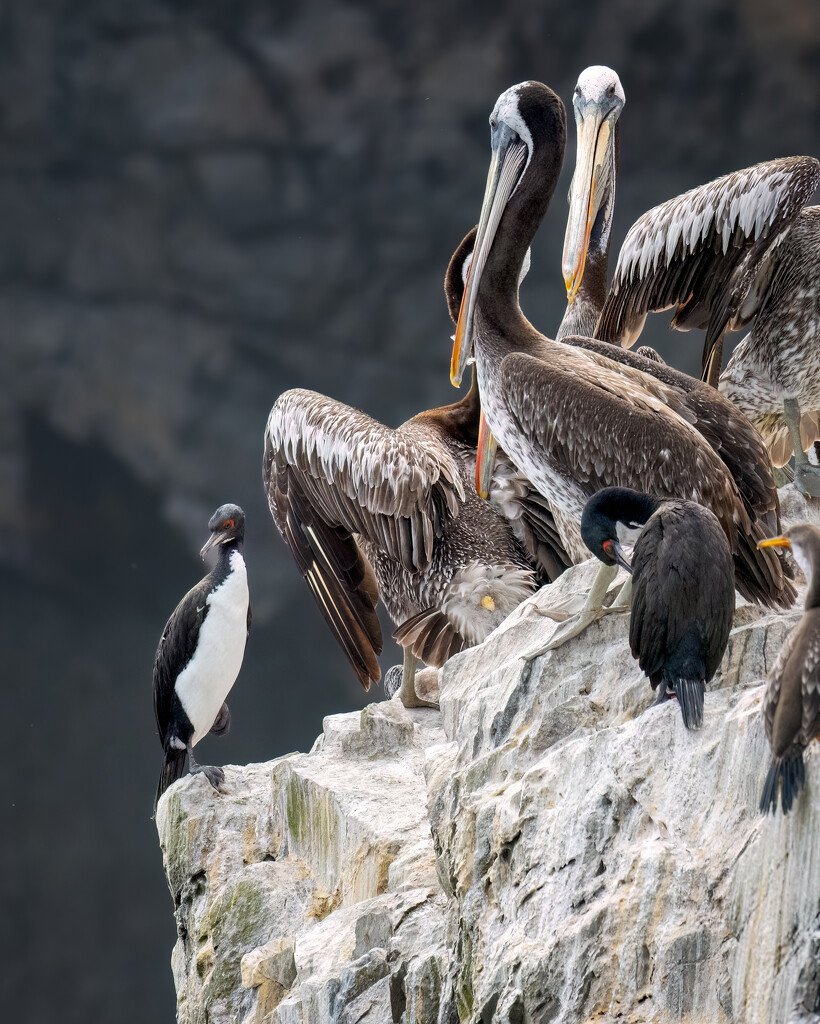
(665, 693)
(807, 479)
(214, 775)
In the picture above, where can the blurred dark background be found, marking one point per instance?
(202, 204)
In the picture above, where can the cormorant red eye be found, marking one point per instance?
(229, 524)
(609, 548)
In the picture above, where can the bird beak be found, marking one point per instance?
(620, 557)
(594, 170)
(774, 542)
(211, 542)
(508, 160)
(485, 458)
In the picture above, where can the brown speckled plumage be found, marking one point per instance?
(780, 358)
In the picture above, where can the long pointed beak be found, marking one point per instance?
(774, 542)
(211, 542)
(506, 165)
(485, 458)
(593, 166)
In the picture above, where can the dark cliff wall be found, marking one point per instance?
(202, 204)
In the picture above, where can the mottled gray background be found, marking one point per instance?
(202, 204)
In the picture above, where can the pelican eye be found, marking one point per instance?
(493, 124)
(611, 90)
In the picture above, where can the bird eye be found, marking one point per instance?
(611, 91)
(493, 123)
(229, 524)
(577, 90)
(608, 548)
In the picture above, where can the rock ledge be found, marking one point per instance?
(546, 848)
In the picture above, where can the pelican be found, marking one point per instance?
(739, 248)
(367, 510)
(574, 421)
(598, 101)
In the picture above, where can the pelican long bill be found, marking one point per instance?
(594, 167)
(508, 159)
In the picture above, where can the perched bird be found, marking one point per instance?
(574, 421)
(597, 102)
(739, 248)
(371, 511)
(791, 704)
(200, 653)
(683, 588)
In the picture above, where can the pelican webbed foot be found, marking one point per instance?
(807, 479)
(806, 476)
(400, 680)
(591, 610)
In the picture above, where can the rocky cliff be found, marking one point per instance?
(547, 847)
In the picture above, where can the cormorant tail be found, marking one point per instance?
(690, 697)
(173, 768)
(790, 773)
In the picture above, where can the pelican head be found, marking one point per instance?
(598, 101)
(524, 116)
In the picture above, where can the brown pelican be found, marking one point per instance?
(574, 421)
(683, 588)
(369, 510)
(597, 102)
(741, 247)
(791, 705)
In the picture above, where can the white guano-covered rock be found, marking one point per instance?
(547, 847)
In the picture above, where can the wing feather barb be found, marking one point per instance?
(699, 251)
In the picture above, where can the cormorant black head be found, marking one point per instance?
(227, 524)
(604, 511)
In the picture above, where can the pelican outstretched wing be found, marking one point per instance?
(331, 474)
(706, 252)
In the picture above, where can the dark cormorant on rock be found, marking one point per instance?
(791, 704)
(200, 653)
(683, 588)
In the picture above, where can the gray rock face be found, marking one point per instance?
(548, 847)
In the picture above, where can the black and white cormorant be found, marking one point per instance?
(791, 704)
(683, 588)
(369, 511)
(571, 420)
(200, 653)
